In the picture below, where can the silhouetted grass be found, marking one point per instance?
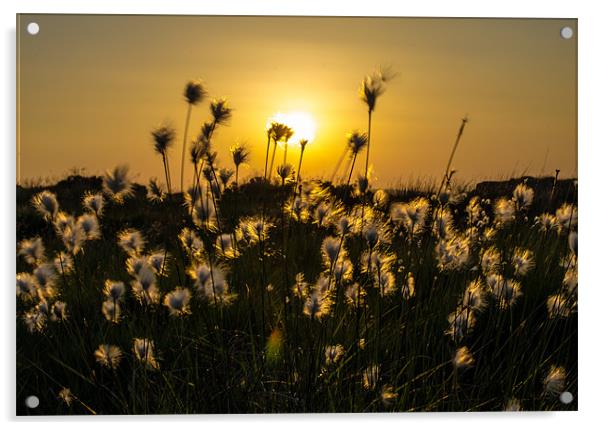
(216, 360)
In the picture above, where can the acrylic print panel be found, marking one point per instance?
(295, 214)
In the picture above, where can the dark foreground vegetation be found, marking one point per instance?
(287, 297)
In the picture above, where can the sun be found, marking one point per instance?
(302, 123)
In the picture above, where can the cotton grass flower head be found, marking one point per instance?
(453, 253)
(285, 172)
(111, 310)
(191, 242)
(224, 176)
(46, 204)
(93, 203)
(254, 229)
(136, 263)
(342, 271)
(522, 196)
(373, 86)
(504, 211)
(43, 307)
(204, 215)
(194, 92)
(240, 154)
(559, 306)
(199, 149)
(163, 139)
(211, 284)
(279, 132)
(377, 261)
(66, 396)
(298, 210)
(108, 356)
(388, 396)
(474, 297)
(463, 358)
(380, 198)
(362, 184)
(144, 287)
(62, 222)
(200, 274)
(300, 287)
(45, 278)
(332, 249)
(555, 380)
(32, 250)
(443, 223)
(26, 286)
(319, 303)
(114, 290)
(547, 222)
(73, 238)
(131, 241)
(354, 295)
(224, 246)
(88, 224)
(144, 351)
(505, 291)
(461, 323)
(221, 111)
(157, 260)
(370, 377)
(567, 217)
(522, 261)
(345, 224)
(357, 141)
(475, 212)
(156, 191)
(333, 354)
(385, 282)
(178, 302)
(205, 133)
(411, 216)
(58, 311)
(208, 174)
(490, 260)
(116, 184)
(35, 321)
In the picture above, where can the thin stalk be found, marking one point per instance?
(272, 160)
(451, 156)
(267, 156)
(368, 145)
(298, 173)
(184, 146)
(167, 175)
(350, 173)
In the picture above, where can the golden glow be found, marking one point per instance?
(302, 124)
(515, 78)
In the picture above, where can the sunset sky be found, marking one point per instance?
(91, 88)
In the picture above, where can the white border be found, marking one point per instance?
(590, 142)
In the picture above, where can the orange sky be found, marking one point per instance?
(91, 88)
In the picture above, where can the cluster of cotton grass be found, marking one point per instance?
(39, 289)
(371, 247)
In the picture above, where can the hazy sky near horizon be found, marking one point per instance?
(91, 88)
